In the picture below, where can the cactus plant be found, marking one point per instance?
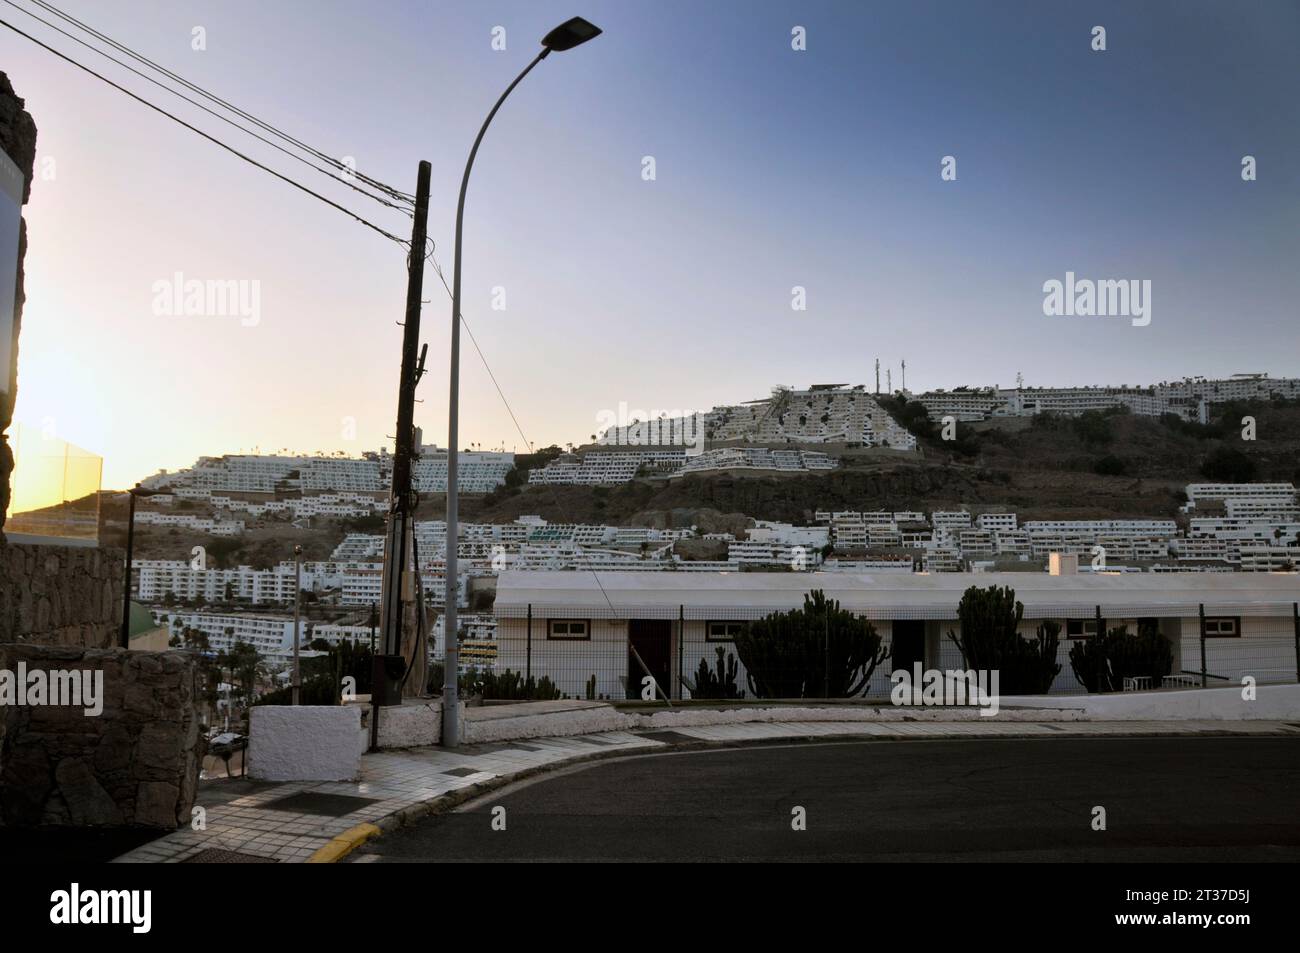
(719, 685)
(990, 640)
(819, 651)
(1102, 664)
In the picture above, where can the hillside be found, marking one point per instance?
(1043, 468)
(1090, 467)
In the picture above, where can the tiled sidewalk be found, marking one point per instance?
(246, 825)
(246, 822)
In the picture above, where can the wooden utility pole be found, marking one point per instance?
(398, 581)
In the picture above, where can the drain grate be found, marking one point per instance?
(316, 802)
(214, 855)
(461, 772)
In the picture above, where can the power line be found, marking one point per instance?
(326, 172)
(564, 512)
(216, 99)
(231, 149)
(438, 268)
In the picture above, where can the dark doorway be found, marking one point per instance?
(909, 644)
(653, 641)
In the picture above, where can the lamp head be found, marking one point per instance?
(569, 34)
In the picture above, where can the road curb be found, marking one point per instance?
(338, 848)
(344, 844)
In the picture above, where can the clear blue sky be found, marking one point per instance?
(775, 168)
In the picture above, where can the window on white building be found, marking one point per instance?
(722, 631)
(569, 629)
(1080, 628)
(1222, 627)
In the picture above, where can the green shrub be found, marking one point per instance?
(1103, 664)
(819, 651)
(719, 685)
(990, 640)
(508, 685)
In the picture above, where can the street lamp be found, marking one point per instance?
(124, 637)
(566, 36)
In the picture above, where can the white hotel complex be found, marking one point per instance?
(372, 472)
(823, 413)
(1188, 399)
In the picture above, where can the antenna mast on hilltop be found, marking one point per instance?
(889, 381)
(904, 373)
(877, 375)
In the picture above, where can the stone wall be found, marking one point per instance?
(18, 140)
(61, 595)
(136, 763)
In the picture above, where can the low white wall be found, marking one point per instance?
(305, 743)
(416, 725)
(412, 725)
(1271, 702)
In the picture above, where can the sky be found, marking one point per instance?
(774, 168)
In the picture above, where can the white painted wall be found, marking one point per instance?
(305, 743)
(1272, 703)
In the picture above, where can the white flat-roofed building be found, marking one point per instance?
(339, 473)
(948, 524)
(868, 564)
(571, 626)
(940, 559)
(997, 522)
(1263, 558)
(976, 543)
(758, 458)
(1205, 548)
(1282, 494)
(592, 469)
(962, 404)
(272, 636)
(477, 471)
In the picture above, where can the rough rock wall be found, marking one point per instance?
(136, 763)
(18, 140)
(60, 595)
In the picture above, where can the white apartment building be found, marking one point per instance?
(997, 522)
(758, 458)
(947, 524)
(810, 537)
(1187, 398)
(156, 579)
(199, 524)
(477, 472)
(1263, 558)
(872, 564)
(316, 474)
(1275, 494)
(272, 636)
(605, 469)
(363, 585)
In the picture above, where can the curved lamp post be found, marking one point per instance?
(566, 36)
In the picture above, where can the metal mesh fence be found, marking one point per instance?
(690, 652)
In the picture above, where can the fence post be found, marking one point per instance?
(1295, 619)
(681, 636)
(1103, 676)
(528, 663)
(826, 656)
(1201, 611)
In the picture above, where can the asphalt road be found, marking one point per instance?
(1168, 799)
